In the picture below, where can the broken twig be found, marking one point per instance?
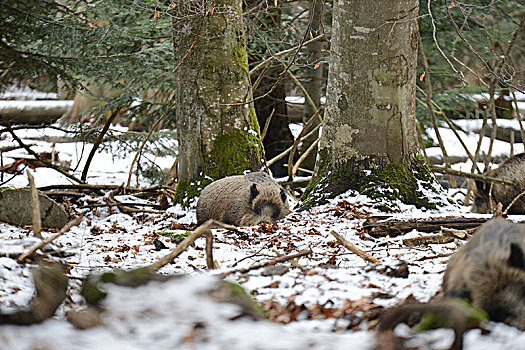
(270, 262)
(35, 206)
(40, 158)
(63, 230)
(342, 241)
(182, 246)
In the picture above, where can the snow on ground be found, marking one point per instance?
(470, 138)
(176, 314)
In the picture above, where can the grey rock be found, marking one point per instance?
(275, 270)
(15, 208)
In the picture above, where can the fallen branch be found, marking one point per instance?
(35, 206)
(182, 246)
(441, 170)
(63, 193)
(342, 241)
(63, 230)
(270, 262)
(127, 204)
(124, 208)
(40, 158)
(378, 226)
(84, 186)
(442, 255)
(447, 235)
(424, 240)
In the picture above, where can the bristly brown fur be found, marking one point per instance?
(489, 270)
(243, 200)
(513, 169)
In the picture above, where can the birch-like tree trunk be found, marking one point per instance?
(369, 138)
(217, 131)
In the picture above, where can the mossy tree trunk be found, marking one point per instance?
(369, 139)
(218, 133)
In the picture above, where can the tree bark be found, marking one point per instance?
(369, 138)
(217, 131)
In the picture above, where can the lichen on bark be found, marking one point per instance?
(369, 138)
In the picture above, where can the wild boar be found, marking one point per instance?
(489, 270)
(513, 169)
(243, 200)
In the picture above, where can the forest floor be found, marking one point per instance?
(329, 299)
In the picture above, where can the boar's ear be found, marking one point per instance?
(283, 195)
(516, 258)
(254, 192)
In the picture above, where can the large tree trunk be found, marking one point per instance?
(218, 133)
(369, 139)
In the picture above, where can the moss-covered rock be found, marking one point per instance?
(233, 293)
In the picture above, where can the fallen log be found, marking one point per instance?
(32, 112)
(380, 226)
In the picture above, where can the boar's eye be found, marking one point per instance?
(275, 215)
(460, 293)
(257, 210)
(283, 196)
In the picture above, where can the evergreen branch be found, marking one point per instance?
(55, 23)
(75, 58)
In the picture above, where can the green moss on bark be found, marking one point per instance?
(254, 122)
(377, 178)
(232, 153)
(239, 53)
(187, 192)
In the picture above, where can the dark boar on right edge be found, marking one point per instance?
(489, 270)
(513, 169)
(243, 200)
